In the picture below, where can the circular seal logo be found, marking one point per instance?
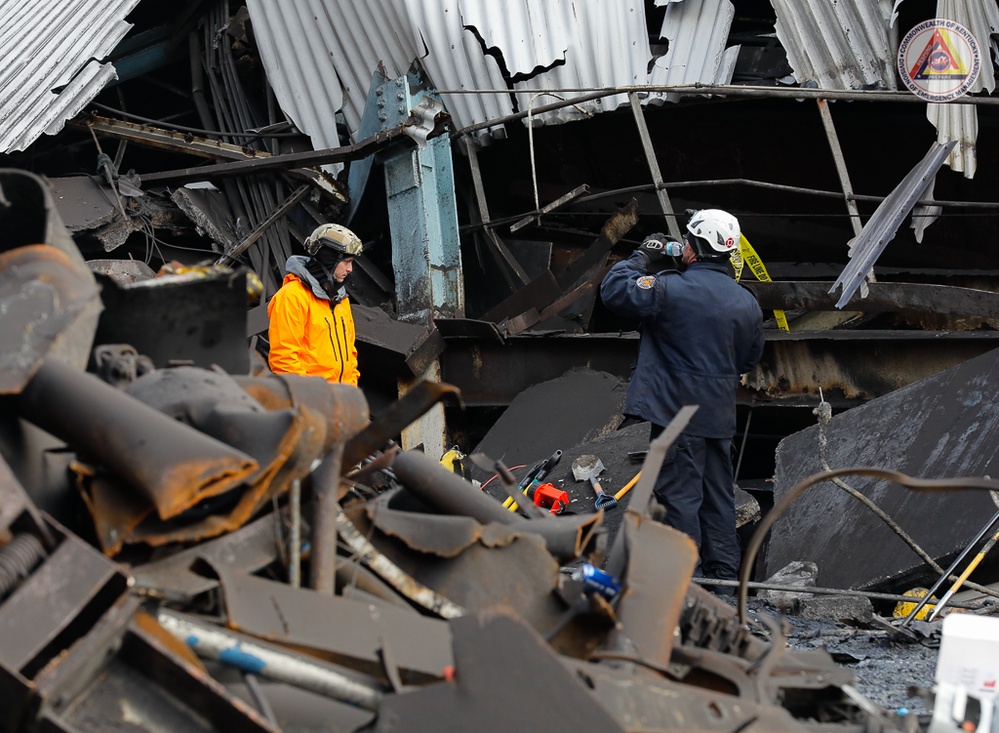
(645, 282)
(939, 60)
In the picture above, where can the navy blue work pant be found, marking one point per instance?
(696, 486)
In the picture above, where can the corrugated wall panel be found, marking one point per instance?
(836, 45)
(697, 34)
(592, 44)
(455, 60)
(606, 45)
(320, 57)
(47, 67)
(959, 122)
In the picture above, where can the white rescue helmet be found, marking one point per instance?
(336, 237)
(719, 229)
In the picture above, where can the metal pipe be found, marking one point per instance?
(295, 550)
(262, 228)
(815, 590)
(653, 162)
(174, 465)
(247, 654)
(198, 83)
(325, 483)
(841, 169)
(793, 93)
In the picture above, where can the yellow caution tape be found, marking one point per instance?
(746, 255)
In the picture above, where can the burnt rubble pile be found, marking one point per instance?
(254, 552)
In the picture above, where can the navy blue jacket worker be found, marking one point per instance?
(700, 331)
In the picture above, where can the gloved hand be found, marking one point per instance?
(658, 249)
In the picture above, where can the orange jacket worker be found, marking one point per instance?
(311, 328)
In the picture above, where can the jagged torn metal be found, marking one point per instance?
(867, 246)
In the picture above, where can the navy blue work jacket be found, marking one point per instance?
(700, 331)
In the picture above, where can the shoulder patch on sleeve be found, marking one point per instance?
(645, 282)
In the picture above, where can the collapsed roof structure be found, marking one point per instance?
(481, 155)
(496, 160)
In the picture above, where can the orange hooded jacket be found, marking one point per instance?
(311, 336)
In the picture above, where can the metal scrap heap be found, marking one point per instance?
(256, 553)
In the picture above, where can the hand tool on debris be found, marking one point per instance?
(968, 570)
(940, 581)
(548, 496)
(534, 477)
(586, 468)
(627, 487)
(964, 576)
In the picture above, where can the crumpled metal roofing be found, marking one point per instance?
(49, 62)
(573, 44)
(697, 34)
(959, 122)
(837, 45)
(321, 56)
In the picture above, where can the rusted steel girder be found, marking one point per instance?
(917, 298)
(856, 365)
(846, 365)
(185, 142)
(369, 146)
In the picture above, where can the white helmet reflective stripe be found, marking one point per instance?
(336, 237)
(716, 227)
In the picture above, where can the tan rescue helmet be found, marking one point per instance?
(336, 237)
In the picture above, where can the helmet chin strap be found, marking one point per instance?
(333, 289)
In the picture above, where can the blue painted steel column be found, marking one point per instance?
(423, 214)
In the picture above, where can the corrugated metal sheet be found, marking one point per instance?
(697, 34)
(49, 62)
(838, 45)
(959, 122)
(321, 57)
(569, 44)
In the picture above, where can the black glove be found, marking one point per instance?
(659, 251)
